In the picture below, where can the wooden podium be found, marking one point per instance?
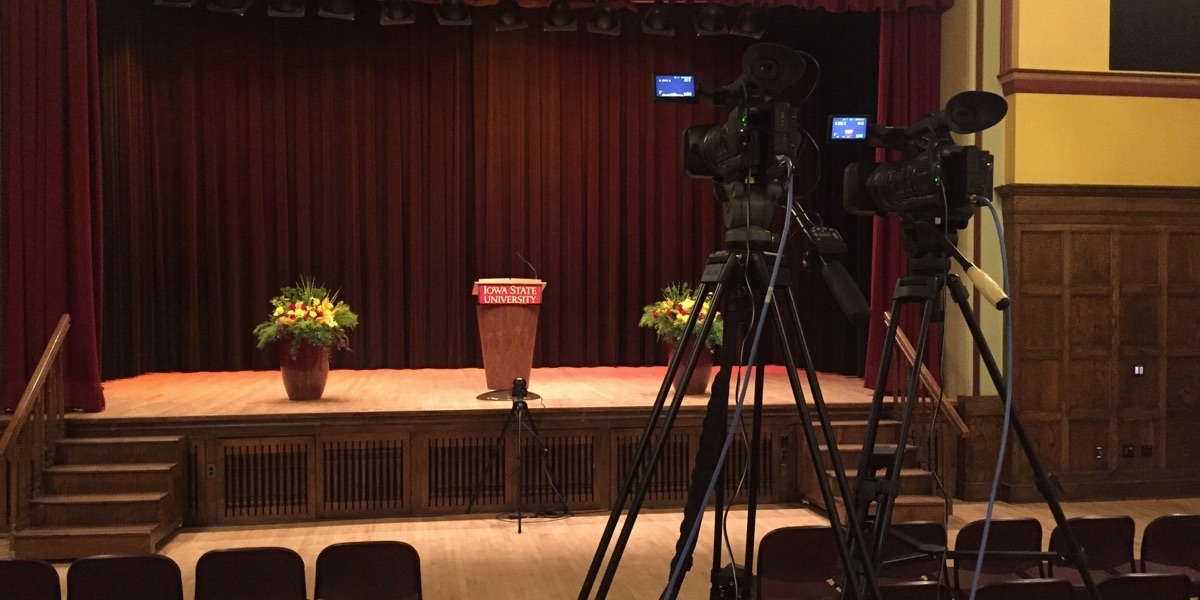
(508, 315)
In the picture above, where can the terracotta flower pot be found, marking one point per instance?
(698, 384)
(304, 375)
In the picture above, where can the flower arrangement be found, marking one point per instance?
(307, 312)
(668, 316)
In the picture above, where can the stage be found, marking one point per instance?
(258, 395)
(405, 442)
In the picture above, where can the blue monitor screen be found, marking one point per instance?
(844, 127)
(675, 88)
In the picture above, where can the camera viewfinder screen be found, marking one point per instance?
(674, 88)
(848, 127)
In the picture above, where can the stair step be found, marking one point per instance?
(101, 509)
(853, 432)
(64, 543)
(851, 452)
(916, 482)
(84, 451)
(103, 478)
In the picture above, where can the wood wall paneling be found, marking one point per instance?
(1106, 339)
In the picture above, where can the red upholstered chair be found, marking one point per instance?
(930, 567)
(22, 579)
(1144, 586)
(797, 562)
(1171, 545)
(148, 577)
(1011, 535)
(1108, 542)
(251, 574)
(368, 571)
(916, 590)
(1026, 589)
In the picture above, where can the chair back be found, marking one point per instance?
(23, 579)
(148, 577)
(1145, 586)
(916, 590)
(368, 571)
(1108, 542)
(924, 532)
(1027, 589)
(797, 562)
(1009, 535)
(1172, 540)
(251, 574)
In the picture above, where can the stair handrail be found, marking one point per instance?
(27, 446)
(928, 382)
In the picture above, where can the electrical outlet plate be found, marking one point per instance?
(1127, 451)
(1099, 453)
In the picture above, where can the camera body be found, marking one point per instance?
(936, 184)
(747, 143)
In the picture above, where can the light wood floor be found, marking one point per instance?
(467, 558)
(261, 393)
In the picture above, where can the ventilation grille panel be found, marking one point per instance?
(362, 475)
(266, 478)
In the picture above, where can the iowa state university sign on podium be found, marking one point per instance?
(508, 316)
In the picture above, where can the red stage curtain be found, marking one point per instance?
(397, 165)
(909, 89)
(52, 192)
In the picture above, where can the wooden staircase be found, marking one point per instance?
(106, 496)
(919, 499)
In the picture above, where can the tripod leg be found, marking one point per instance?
(655, 454)
(886, 491)
(712, 432)
(491, 461)
(755, 462)
(545, 450)
(644, 441)
(517, 406)
(1077, 555)
(864, 574)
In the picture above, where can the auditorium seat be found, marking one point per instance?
(22, 579)
(798, 562)
(1144, 586)
(1010, 535)
(931, 567)
(251, 574)
(368, 571)
(1024, 589)
(1108, 542)
(147, 577)
(915, 590)
(1171, 545)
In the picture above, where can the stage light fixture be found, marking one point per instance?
(657, 20)
(508, 16)
(337, 9)
(452, 12)
(750, 22)
(230, 7)
(711, 20)
(285, 8)
(398, 12)
(560, 17)
(604, 19)
(175, 3)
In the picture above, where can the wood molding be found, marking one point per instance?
(1105, 191)
(1099, 83)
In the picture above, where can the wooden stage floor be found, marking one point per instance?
(254, 395)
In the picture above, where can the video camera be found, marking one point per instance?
(937, 179)
(744, 155)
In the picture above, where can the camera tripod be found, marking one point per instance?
(519, 413)
(880, 464)
(734, 279)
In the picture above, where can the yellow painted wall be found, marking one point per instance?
(1063, 139)
(1069, 35)
(1104, 140)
